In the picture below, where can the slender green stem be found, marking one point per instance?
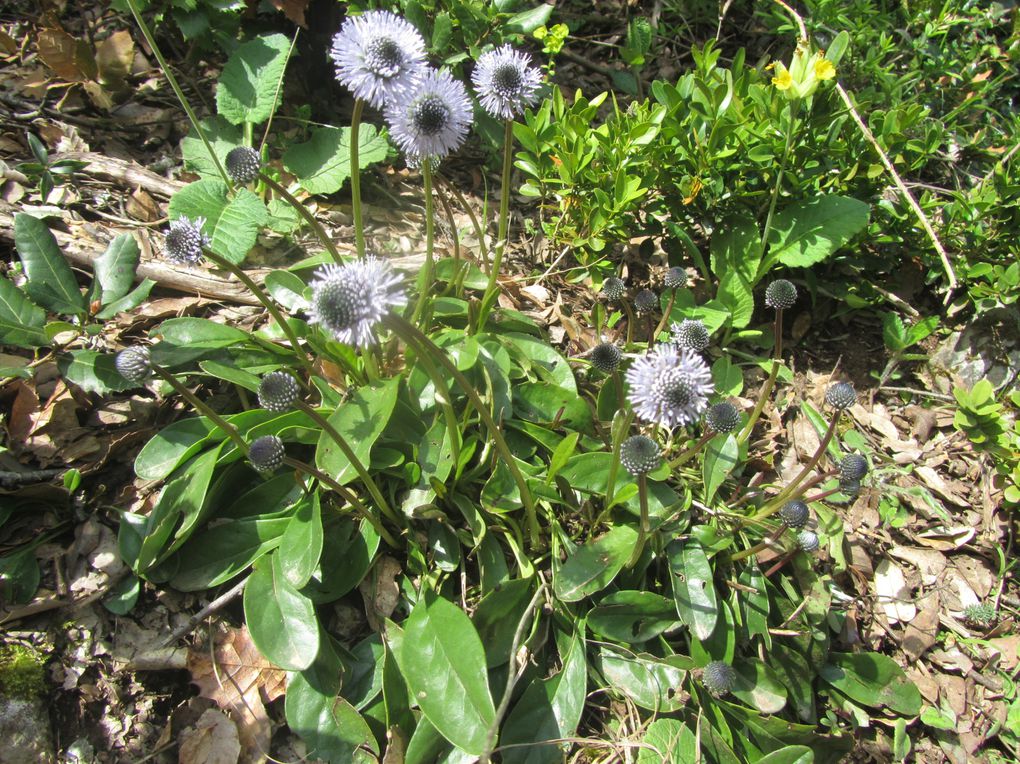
(665, 317)
(502, 227)
(359, 467)
(684, 456)
(301, 210)
(483, 255)
(773, 505)
(766, 388)
(425, 277)
(639, 546)
(229, 430)
(413, 336)
(619, 434)
(794, 107)
(266, 301)
(192, 117)
(631, 320)
(771, 537)
(359, 222)
(346, 494)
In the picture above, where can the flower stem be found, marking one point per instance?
(228, 429)
(414, 336)
(502, 227)
(304, 213)
(359, 222)
(192, 117)
(760, 545)
(614, 464)
(665, 318)
(684, 456)
(639, 546)
(766, 388)
(359, 467)
(794, 107)
(266, 301)
(425, 278)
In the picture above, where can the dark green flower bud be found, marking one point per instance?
(794, 514)
(808, 541)
(278, 391)
(640, 455)
(613, 289)
(606, 357)
(719, 678)
(646, 301)
(780, 294)
(134, 364)
(675, 278)
(243, 164)
(852, 467)
(841, 395)
(722, 417)
(691, 334)
(266, 454)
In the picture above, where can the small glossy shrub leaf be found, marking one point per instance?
(648, 681)
(872, 679)
(672, 743)
(251, 83)
(444, 664)
(593, 566)
(323, 163)
(224, 551)
(301, 545)
(758, 687)
(791, 754)
(360, 420)
(115, 269)
(721, 455)
(549, 709)
(93, 372)
(693, 588)
(51, 281)
(632, 616)
(21, 320)
(281, 620)
(808, 232)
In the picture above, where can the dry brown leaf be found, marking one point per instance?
(114, 57)
(1008, 648)
(920, 634)
(978, 573)
(236, 677)
(380, 591)
(946, 539)
(893, 594)
(213, 740)
(928, 561)
(141, 206)
(70, 59)
(936, 483)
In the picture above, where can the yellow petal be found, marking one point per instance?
(783, 80)
(824, 70)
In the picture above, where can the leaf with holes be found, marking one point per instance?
(693, 588)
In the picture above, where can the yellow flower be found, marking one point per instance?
(824, 70)
(783, 80)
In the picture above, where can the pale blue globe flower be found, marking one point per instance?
(433, 119)
(669, 386)
(505, 82)
(378, 56)
(350, 300)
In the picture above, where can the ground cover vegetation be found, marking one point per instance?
(628, 384)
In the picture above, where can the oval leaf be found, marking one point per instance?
(693, 588)
(50, 279)
(593, 566)
(282, 621)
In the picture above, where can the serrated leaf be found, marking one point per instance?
(323, 163)
(222, 136)
(21, 320)
(251, 83)
(808, 232)
(115, 269)
(51, 281)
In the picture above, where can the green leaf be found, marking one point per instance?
(649, 681)
(199, 333)
(360, 420)
(219, 553)
(223, 137)
(758, 687)
(251, 83)
(721, 456)
(21, 320)
(115, 268)
(123, 595)
(232, 222)
(894, 332)
(93, 372)
(131, 300)
(301, 545)
(50, 279)
(735, 247)
(592, 567)
(19, 576)
(287, 289)
(171, 446)
(736, 294)
(347, 553)
(528, 21)
(632, 616)
(808, 232)
(873, 680)
(693, 587)
(323, 163)
(672, 743)
(792, 754)
(444, 664)
(497, 616)
(550, 709)
(281, 620)
(329, 724)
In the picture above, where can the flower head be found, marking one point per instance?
(432, 119)
(243, 163)
(794, 514)
(506, 82)
(853, 467)
(669, 386)
(691, 334)
(640, 455)
(134, 364)
(185, 241)
(378, 55)
(808, 541)
(780, 294)
(349, 300)
(719, 678)
(613, 288)
(606, 357)
(646, 301)
(722, 417)
(675, 278)
(807, 71)
(278, 391)
(266, 454)
(841, 395)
